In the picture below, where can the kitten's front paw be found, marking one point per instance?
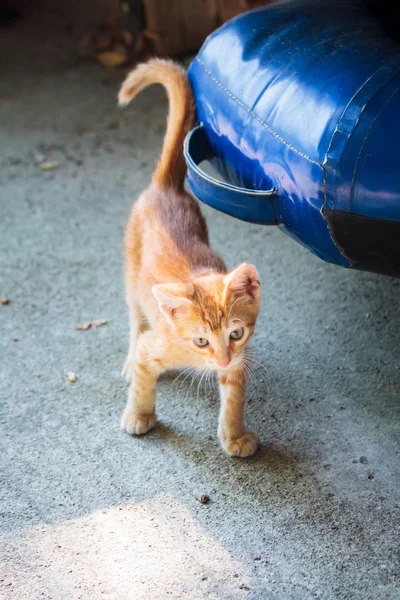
(127, 370)
(137, 424)
(242, 446)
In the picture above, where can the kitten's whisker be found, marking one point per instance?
(181, 374)
(210, 378)
(198, 387)
(191, 372)
(197, 372)
(207, 380)
(250, 353)
(259, 366)
(249, 375)
(253, 377)
(247, 368)
(264, 374)
(257, 369)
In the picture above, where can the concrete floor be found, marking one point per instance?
(88, 512)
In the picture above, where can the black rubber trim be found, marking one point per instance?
(370, 244)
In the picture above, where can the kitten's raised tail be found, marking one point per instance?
(171, 168)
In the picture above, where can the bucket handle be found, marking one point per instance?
(256, 206)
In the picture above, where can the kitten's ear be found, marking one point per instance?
(172, 298)
(243, 282)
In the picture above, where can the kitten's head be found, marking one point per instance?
(214, 315)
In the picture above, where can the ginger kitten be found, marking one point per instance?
(185, 310)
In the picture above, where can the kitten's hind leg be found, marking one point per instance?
(137, 325)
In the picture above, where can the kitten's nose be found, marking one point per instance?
(223, 363)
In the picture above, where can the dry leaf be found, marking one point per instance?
(121, 49)
(4, 300)
(71, 376)
(126, 37)
(91, 324)
(48, 165)
(109, 41)
(103, 41)
(17, 416)
(151, 35)
(112, 58)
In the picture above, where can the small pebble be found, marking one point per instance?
(49, 165)
(4, 300)
(71, 377)
(363, 460)
(202, 498)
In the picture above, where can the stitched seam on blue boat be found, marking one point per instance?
(251, 112)
(351, 102)
(344, 111)
(364, 142)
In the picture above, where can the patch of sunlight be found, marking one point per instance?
(146, 551)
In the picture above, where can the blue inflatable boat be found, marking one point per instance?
(299, 112)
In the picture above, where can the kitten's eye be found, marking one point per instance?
(237, 334)
(201, 342)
